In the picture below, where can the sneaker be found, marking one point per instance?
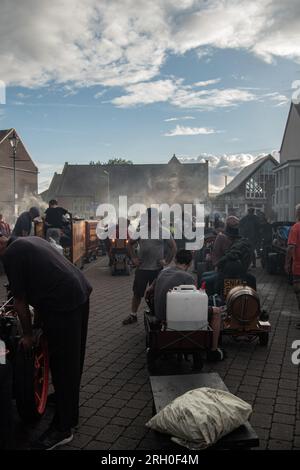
(217, 355)
(130, 319)
(52, 439)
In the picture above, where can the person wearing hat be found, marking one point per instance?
(24, 222)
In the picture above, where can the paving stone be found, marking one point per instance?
(97, 421)
(110, 433)
(116, 403)
(287, 409)
(262, 420)
(107, 411)
(129, 412)
(89, 430)
(282, 432)
(283, 418)
(275, 444)
(97, 445)
(135, 432)
(286, 400)
(81, 440)
(125, 443)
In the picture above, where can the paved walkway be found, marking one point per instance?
(116, 401)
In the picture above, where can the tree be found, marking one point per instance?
(113, 161)
(119, 161)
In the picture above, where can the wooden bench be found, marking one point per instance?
(166, 388)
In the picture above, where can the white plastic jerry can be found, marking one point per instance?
(187, 308)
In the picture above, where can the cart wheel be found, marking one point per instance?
(197, 361)
(151, 357)
(31, 381)
(264, 339)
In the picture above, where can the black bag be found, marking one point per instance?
(238, 254)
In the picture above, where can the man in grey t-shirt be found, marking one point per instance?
(167, 279)
(173, 277)
(154, 254)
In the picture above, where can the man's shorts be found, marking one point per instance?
(142, 278)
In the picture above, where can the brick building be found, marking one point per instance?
(26, 173)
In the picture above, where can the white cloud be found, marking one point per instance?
(183, 96)
(181, 118)
(181, 130)
(122, 42)
(210, 99)
(99, 94)
(208, 82)
(147, 92)
(225, 164)
(280, 100)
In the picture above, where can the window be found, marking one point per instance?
(257, 184)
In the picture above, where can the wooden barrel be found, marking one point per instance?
(243, 304)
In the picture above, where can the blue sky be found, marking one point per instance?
(203, 79)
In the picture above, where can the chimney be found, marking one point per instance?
(225, 179)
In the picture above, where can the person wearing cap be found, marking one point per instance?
(23, 224)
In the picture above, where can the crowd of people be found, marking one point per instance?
(40, 277)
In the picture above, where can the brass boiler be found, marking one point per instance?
(243, 307)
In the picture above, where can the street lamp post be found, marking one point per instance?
(14, 140)
(108, 191)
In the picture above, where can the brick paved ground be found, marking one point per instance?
(115, 395)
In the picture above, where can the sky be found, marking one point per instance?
(99, 79)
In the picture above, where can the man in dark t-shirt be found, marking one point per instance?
(39, 276)
(54, 215)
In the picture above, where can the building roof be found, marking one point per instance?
(175, 160)
(82, 180)
(245, 174)
(295, 107)
(52, 191)
(4, 133)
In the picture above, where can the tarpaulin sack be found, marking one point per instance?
(200, 417)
